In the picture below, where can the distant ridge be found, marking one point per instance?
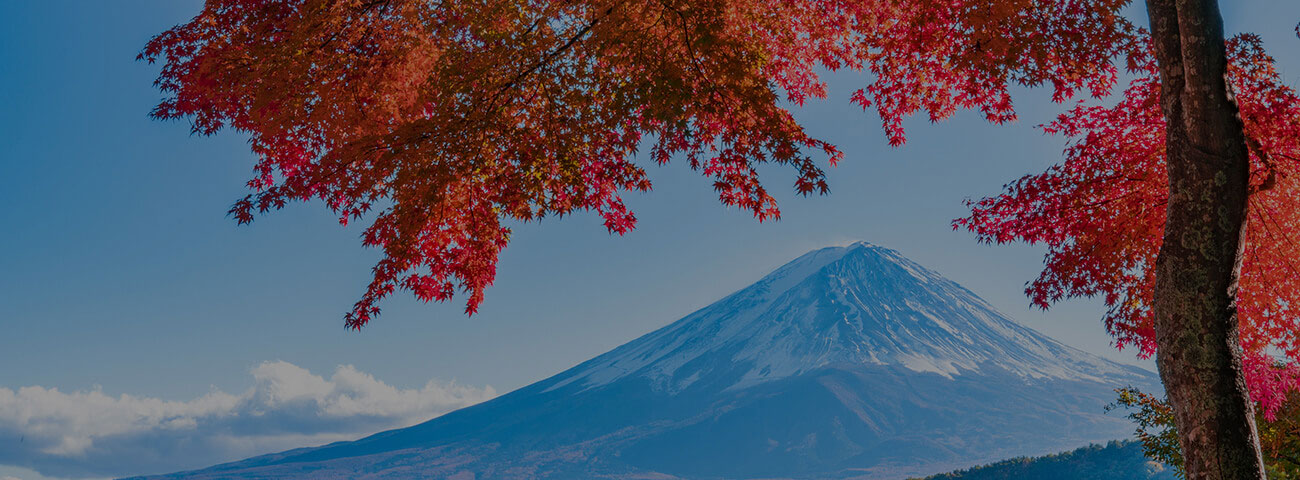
(847, 362)
(1113, 461)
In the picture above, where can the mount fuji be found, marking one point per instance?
(847, 362)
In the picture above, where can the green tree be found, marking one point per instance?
(1279, 433)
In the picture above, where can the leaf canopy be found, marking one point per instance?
(440, 121)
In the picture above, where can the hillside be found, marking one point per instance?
(1112, 461)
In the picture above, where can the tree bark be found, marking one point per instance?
(1196, 271)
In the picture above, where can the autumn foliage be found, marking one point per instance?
(441, 122)
(1101, 214)
(437, 124)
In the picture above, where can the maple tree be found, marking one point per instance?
(440, 122)
(1101, 212)
(1198, 265)
(442, 119)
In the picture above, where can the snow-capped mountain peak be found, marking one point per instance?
(857, 304)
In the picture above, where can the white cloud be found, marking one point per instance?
(91, 434)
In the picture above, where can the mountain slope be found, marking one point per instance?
(846, 362)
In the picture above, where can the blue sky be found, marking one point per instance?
(123, 275)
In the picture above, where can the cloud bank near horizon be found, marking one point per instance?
(91, 434)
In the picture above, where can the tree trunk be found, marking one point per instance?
(1196, 272)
